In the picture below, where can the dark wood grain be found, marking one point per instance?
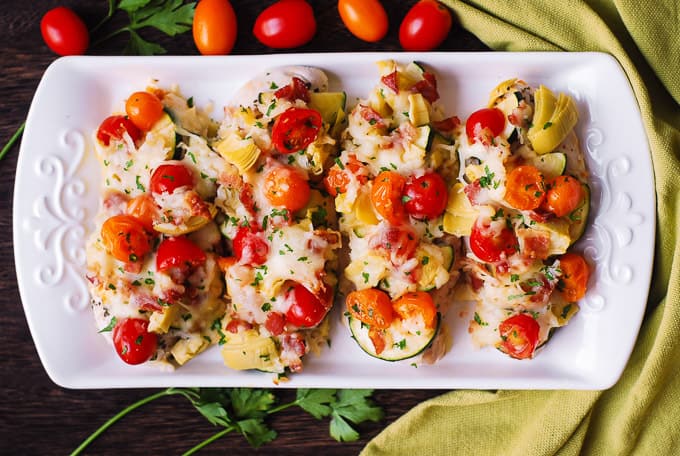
(38, 417)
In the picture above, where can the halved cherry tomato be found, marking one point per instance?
(214, 27)
(519, 335)
(524, 188)
(168, 177)
(564, 195)
(386, 196)
(133, 342)
(338, 178)
(416, 304)
(371, 306)
(249, 246)
(296, 129)
(485, 124)
(285, 24)
(114, 127)
(125, 238)
(144, 109)
(285, 186)
(400, 240)
(64, 31)
(179, 252)
(489, 245)
(306, 310)
(575, 273)
(365, 19)
(425, 26)
(144, 209)
(425, 197)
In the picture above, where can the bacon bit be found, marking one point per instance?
(536, 244)
(378, 340)
(146, 302)
(541, 292)
(296, 90)
(390, 81)
(427, 87)
(472, 191)
(133, 267)
(476, 282)
(247, 199)
(115, 202)
(446, 125)
(293, 343)
(199, 207)
(275, 323)
(371, 116)
(235, 326)
(539, 215)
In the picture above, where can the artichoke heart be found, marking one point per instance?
(500, 90)
(249, 350)
(460, 215)
(553, 120)
(418, 110)
(193, 223)
(242, 153)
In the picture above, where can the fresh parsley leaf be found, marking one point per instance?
(356, 407)
(256, 431)
(316, 402)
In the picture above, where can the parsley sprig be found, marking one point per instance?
(244, 410)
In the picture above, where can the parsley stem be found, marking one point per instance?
(12, 140)
(282, 407)
(120, 415)
(209, 440)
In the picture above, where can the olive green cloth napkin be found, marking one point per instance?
(641, 413)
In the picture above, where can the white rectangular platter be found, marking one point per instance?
(57, 193)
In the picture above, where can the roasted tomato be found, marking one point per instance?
(575, 273)
(114, 127)
(425, 197)
(144, 109)
(425, 26)
(564, 195)
(365, 19)
(250, 246)
(125, 238)
(179, 252)
(485, 124)
(371, 306)
(489, 244)
(295, 129)
(144, 209)
(64, 31)
(133, 342)
(338, 177)
(306, 310)
(285, 24)
(214, 27)
(519, 336)
(524, 188)
(168, 177)
(416, 305)
(386, 196)
(285, 186)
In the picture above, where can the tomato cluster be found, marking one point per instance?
(394, 196)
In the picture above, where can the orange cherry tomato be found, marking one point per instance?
(144, 109)
(519, 336)
(524, 189)
(414, 305)
(371, 306)
(125, 238)
(365, 19)
(215, 27)
(425, 26)
(386, 196)
(564, 195)
(338, 178)
(144, 209)
(285, 186)
(575, 274)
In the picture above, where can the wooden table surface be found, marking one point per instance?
(39, 417)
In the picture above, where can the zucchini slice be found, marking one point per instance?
(579, 217)
(550, 165)
(407, 346)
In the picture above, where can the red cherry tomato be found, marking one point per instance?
(64, 32)
(519, 335)
(564, 195)
(425, 197)
(285, 24)
(169, 177)
(133, 342)
(306, 310)
(144, 109)
(483, 122)
(179, 252)
(365, 19)
(250, 247)
(425, 26)
(214, 27)
(285, 186)
(296, 129)
(386, 196)
(125, 238)
(489, 245)
(114, 127)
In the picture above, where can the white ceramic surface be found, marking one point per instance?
(58, 181)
